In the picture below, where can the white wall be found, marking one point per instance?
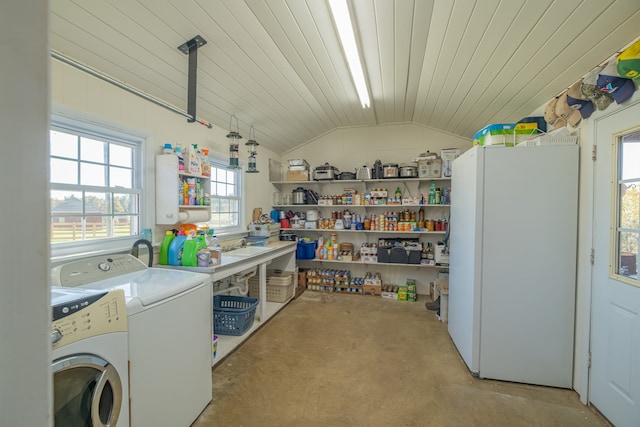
(25, 313)
(80, 95)
(348, 148)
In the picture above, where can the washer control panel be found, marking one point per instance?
(88, 315)
(95, 268)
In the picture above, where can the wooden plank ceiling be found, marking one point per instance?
(454, 65)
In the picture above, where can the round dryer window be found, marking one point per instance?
(87, 391)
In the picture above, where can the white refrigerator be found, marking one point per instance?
(512, 278)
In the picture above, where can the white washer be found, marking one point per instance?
(170, 333)
(89, 358)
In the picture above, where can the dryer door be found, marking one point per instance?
(87, 391)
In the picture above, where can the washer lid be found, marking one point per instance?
(149, 286)
(63, 295)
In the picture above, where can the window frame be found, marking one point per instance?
(616, 212)
(218, 162)
(91, 129)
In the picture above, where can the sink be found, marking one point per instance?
(247, 251)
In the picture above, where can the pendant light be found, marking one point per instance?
(234, 137)
(252, 144)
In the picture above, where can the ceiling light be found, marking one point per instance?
(342, 19)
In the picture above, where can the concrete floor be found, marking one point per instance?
(346, 360)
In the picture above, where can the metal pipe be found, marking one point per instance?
(124, 86)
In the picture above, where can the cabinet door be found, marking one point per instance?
(167, 189)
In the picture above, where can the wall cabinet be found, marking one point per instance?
(169, 193)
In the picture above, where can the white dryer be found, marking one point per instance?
(170, 314)
(89, 358)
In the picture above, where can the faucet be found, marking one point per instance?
(240, 243)
(134, 249)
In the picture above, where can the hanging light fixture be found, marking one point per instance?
(234, 137)
(252, 144)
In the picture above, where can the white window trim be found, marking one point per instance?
(239, 230)
(74, 250)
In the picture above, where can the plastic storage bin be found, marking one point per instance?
(306, 250)
(233, 315)
(280, 286)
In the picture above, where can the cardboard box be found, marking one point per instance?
(302, 175)
(369, 259)
(430, 168)
(448, 155)
(389, 295)
(372, 290)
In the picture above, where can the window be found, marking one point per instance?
(628, 206)
(95, 186)
(226, 206)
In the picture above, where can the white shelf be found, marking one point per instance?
(389, 264)
(360, 206)
(333, 230)
(357, 181)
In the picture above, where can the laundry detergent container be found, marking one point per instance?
(306, 249)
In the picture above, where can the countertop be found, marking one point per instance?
(232, 264)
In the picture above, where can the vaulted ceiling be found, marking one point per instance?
(454, 65)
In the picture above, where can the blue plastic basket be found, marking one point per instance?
(233, 315)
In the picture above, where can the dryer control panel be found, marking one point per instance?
(89, 270)
(88, 315)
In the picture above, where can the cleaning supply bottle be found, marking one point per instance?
(167, 149)
(164, 247)
(189, 257)
(180, 155)
(175, 249)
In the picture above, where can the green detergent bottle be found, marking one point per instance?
(164, 247)
(189, 251)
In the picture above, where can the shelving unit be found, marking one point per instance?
(168, 209)
(393, 272)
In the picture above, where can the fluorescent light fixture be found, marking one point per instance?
(341, 17)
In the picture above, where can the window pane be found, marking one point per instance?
(631, 156)
(64, 171)
(124, 203)
(628, 209)
(92, 150)
(65, 229)
(63, 202)
(628, 258)
(123, 226)
(120, 155)
(231, 177)
(91, 174)
(63, 144)
(629, 202)
(96, 204)
(120, 177)
(96, 227)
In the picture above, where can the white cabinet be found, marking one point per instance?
(170, 193)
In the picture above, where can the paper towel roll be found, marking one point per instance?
(192, 216)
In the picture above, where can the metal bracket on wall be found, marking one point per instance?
(191, 48)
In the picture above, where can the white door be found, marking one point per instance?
(614, 383)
